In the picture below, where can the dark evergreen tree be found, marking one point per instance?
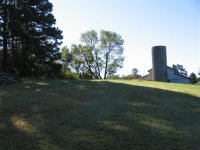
(40, 44)
(4, 31)
(32, 38)
(193, 78)
(7, 13)
(1, 36)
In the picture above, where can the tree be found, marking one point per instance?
(66, 59)
(8, 20)
(29, 34)
(1, 35)
(193, 78)
(83, 60)
(199, 76)
(98, 56)
(135, 72)
(4, 22)
(179, 69)
(112, 47)
(38, 23)
(90, 38)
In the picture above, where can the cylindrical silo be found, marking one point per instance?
(159, 63)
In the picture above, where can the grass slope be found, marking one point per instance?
(112, 114)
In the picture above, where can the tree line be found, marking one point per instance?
(29, 40)
(30, 44)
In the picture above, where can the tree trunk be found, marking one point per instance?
(5, 36)
(97, 63)
(106, 67)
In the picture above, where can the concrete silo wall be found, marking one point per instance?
(159, 63)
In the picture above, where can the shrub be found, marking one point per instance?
(68, 74)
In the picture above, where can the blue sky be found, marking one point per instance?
(141, 23)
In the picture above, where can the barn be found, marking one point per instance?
(171, 76)
(160, 71)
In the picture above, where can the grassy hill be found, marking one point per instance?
(111, 114)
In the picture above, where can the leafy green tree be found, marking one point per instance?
(83, 60)
(111, 45)
(98, 56)
(66, 59)
(179, 69)
(90, 39)
(193, 78)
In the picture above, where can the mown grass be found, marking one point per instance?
(112, 114)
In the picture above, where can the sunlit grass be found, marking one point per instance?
(183, 88)
(23, 125)
(111, 114)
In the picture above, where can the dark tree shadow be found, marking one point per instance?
(96, 115)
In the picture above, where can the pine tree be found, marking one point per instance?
(4, 32)
(31, 36)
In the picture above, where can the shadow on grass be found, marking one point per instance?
(96, 115)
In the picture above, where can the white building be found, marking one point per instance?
(171, 76)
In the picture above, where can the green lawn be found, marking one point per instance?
(90, 115)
